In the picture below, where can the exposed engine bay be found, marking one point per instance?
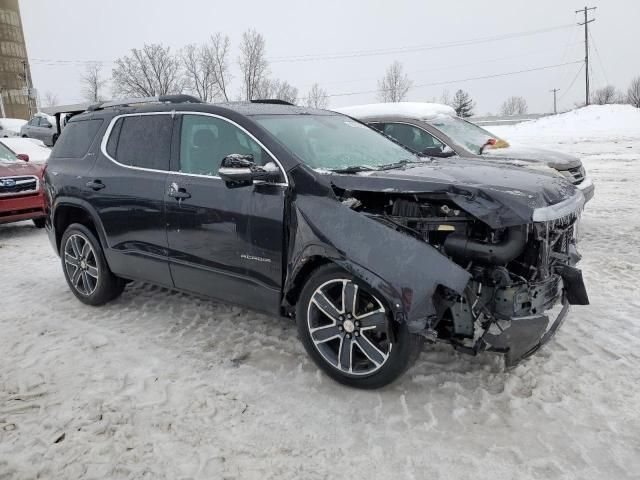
(518, 273)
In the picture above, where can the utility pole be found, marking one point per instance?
(586, 49)
(555, 104)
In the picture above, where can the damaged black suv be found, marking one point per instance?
(311, 215)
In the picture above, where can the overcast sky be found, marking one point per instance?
(72, 30)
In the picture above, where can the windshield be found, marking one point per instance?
(6, 155)
(334, 142)
(462, 132)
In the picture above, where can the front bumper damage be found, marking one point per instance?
(516, 321)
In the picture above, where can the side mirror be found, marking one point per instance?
(439, 152)
(22, 156)
(241, 170)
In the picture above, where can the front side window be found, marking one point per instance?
(206, 140)
(333, 142)
(34, 122)
(142, 141)
(413, 137)
(462, 132)
(76, 139)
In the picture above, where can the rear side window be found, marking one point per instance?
(76, 138)
(142, 141)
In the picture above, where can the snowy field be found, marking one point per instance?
(164, 385)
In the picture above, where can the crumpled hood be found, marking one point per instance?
(19, 168)
(497, 194)
(553, 159)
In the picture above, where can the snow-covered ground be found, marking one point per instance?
(164, 385)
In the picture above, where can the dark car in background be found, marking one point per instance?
(309, 214)
(434, 129)
(42, 127)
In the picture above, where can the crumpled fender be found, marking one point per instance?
(402, 269)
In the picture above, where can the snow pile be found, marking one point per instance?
(401, 109)
(12, 124)
(38, 152)
(599, 121)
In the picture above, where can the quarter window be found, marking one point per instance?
(76, 139)
(206, 140)
(142, 141)
(413, 137)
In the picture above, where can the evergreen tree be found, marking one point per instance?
(463, 104)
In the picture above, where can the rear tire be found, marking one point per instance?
(349, 332)
(85, 267)
(39, 222)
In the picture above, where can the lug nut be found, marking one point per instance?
(357, 333)
(348, 335)
(341, 318)
(357, 323)
(349, 315)
(340, 327)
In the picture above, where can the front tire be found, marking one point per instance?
(349, 333)
(85, 267)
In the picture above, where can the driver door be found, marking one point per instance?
(225, 243)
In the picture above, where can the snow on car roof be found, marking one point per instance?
(12, 123)
(417, 110)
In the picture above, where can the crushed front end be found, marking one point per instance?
(523, 277)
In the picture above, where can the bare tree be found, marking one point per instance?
(394, 85)
(50, 99)
(317, 97)
(463, 104)
(199, 73)
(445, 98)
(276, 89)
(633, 92)
(253, 63)
(93, 82)
(605, 95)
(150, 71)
(206, 68)
(514, 106)
(219, 52)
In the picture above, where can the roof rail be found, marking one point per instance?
(272, 101)
(140, 100)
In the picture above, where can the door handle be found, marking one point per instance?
(177, 192)
(96, 185)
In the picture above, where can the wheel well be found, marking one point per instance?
(68, 214)
(310, 266)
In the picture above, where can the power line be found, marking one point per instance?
(361, 53)
(604, 73)
(413, 48)
(572, 81)
(483, 77)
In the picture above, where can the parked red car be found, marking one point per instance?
(21, 189)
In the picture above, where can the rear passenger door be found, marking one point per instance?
(223, 242)
(126, 189)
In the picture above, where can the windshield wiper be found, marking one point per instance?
(401, 163)
(354, 169)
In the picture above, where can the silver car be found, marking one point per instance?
(434, 130)
(43, 127)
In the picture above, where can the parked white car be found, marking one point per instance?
(10, 127)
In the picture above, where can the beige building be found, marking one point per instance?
(18, 96)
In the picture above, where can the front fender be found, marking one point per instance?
(403, 269)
